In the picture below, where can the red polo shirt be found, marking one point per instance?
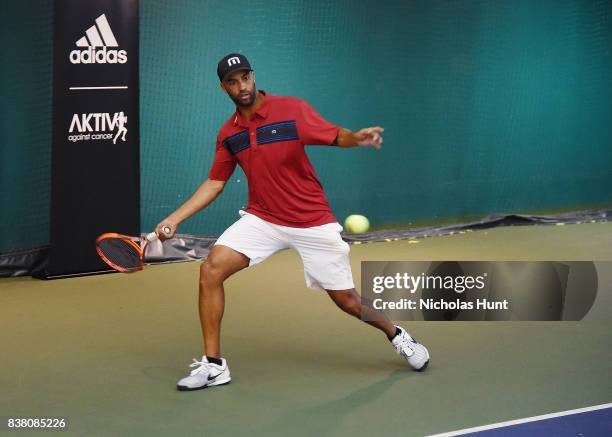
(283, 186)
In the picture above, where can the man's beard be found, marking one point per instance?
(249, 102)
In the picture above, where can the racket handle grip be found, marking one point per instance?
(153, 236)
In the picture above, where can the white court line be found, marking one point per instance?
(519, 421)
(122, 87)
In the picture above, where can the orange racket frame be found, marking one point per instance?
(135, 242)
(132, 241)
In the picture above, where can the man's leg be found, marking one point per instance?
(350, 302)
(326, 265)
(248, 241)
(222, 262)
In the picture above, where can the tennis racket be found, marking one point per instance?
(123, 252)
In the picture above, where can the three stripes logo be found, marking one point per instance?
(95, 46)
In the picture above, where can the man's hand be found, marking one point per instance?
(369, 136)
(166, 223)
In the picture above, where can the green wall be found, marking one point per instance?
(488, 106)
(26, 35)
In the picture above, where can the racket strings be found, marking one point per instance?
(120, 252)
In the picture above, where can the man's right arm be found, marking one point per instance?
(204, 195)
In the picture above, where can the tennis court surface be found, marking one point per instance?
(106, 352)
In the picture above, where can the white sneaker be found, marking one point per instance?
(415, 353)
(205, 375)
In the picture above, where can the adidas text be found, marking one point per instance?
(98, 56)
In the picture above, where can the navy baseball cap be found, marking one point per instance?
(231, 63)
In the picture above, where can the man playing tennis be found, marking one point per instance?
(287, 208)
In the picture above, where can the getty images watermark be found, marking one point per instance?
(486, 290)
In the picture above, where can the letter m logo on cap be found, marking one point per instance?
(233, 61)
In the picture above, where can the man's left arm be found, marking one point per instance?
(369, 136)
(315, 130)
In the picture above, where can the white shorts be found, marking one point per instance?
(324, 254)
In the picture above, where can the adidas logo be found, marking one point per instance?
(99, 35)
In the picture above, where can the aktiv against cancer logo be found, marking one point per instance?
(95, 46)
(98, 126)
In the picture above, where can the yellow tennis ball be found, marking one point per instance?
(356, 224)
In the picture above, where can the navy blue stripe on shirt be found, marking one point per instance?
(237, 142)
(276, 132)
